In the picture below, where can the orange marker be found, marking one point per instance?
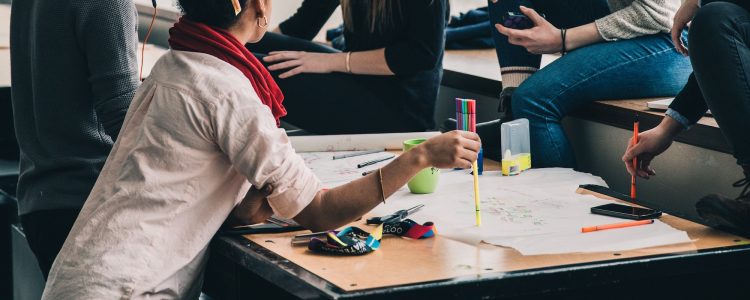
(616, 225)
(635, 159)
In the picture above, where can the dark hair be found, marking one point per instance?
(382, 14)
(217, 13)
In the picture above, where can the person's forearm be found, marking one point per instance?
(253, 209)
(371, 62)
(581, 36)
(670, 126)
(344, 204)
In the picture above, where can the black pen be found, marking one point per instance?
(374, 161)
(368, 172)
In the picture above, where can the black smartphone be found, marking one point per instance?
(625, 212)
(517, 21)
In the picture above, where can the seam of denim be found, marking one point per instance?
(547, 122)
(554, 98)
(740, 66)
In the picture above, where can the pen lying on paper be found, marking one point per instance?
(616, 225)
(358, 153)
(374, 161)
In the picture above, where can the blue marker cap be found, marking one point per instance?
(480, 161)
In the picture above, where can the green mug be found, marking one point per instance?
(426, 180)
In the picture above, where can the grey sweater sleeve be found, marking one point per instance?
(107, 31)
(634, 18)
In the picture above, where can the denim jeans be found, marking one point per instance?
(642, 67)
(720, 51)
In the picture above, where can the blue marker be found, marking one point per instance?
(480, 161)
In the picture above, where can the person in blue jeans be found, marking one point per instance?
(615, 49)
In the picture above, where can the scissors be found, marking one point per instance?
(394, 217)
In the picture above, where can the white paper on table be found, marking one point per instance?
(537, 212)
(354, 142)
(333, 173)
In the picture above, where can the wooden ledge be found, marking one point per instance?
(620, 113)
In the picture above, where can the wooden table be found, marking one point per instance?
(266, 265)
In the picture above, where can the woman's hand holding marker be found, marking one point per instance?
(455, 149)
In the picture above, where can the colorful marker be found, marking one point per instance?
(616, 225)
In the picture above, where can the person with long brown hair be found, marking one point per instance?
(201, 143)
(385, 80)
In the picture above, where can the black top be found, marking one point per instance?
(413, 47)
(74, 72)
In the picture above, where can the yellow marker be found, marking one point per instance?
(475, 170)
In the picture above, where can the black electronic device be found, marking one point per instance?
(626, 212)
(517, 21)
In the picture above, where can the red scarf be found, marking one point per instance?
(192, 36)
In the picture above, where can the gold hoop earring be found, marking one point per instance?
(265, 22)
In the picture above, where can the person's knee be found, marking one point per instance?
(527, 102)
(521, 102)
(712, 21)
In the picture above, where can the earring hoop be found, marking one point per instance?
(265, 22)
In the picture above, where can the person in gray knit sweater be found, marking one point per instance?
(612, 49)
(73, 75)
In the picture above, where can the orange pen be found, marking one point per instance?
(635, 159)
(616, 225)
